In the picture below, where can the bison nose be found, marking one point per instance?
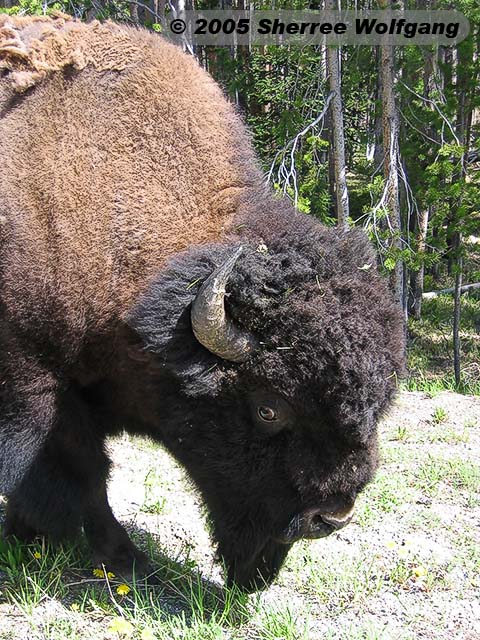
(338, 519)
(316, 522)
(320, 522)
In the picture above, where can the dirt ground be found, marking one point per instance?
(407, 567)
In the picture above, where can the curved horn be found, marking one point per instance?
(210, 324)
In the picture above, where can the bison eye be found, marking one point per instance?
(270, 412)
(267, 414)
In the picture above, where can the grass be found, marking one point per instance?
(448, 436)
(153, 500)
(385, 495)
(439, 415)
(436, 474)
(350, 579)
(430, 347)
(176, 601)
(282, 622)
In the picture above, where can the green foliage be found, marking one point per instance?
(284, 94)
(30, 7)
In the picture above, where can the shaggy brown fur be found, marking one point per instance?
(117, 153)
(126, 180)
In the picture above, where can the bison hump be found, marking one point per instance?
(33, 47)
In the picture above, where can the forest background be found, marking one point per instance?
(379, 136)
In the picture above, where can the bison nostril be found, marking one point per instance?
(335, 522)
(338, 519)
(316, 521)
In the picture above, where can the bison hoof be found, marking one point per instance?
(125, 560)
(17, 527)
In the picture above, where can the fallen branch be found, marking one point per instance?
(435, 294)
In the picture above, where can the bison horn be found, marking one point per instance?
(210, 323)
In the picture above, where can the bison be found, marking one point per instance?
(151, 282)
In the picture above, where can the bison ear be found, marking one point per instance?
(162, 320)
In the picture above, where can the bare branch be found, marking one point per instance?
(436, 107)
(286, 172)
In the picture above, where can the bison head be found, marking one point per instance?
(271, 371)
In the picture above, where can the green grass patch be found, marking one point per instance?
(153, 500)
(447, 436)
(430, 348)
(454, 474)
(35, 572)
(344, 580)
(385, 494)
(177, 601)
(282, 622)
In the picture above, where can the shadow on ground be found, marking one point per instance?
(173, 587)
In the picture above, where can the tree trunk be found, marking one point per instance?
(426, 213)
(242, 57)
(134, 12)
(378, 127)
(327, 135)
(391, 157)
(417, 278)
(341, 191)
(457, 311)
(463, 58)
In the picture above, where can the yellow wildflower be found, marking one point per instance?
(123, 589)
(419, 572)
(75, 607)
(390, 544)
(121, 626)
(110, 575)
(37, 555)
(98, 573)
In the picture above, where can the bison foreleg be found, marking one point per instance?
(55, 490)
(109, 541)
